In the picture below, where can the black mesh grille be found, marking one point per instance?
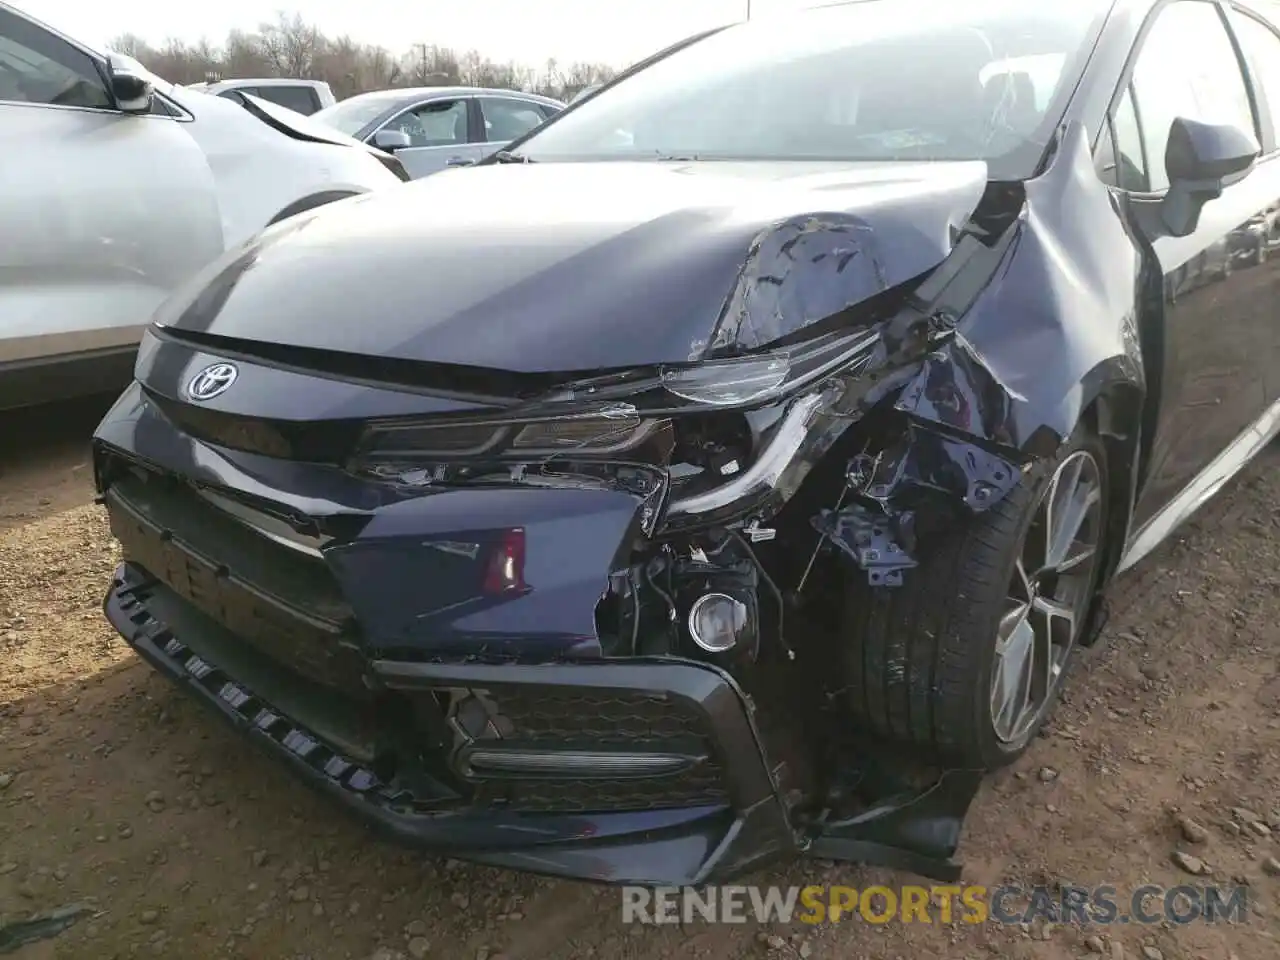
(695, 788)
(283, 603)
(565, 718)
(556, 715)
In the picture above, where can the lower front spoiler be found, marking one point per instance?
(915, 830)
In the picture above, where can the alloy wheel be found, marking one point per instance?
(1048, 597)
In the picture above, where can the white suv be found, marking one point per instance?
(116, 186)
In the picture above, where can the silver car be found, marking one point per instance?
(431, 128)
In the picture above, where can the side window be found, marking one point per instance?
(1262, 49)
(160, 107)
(301, 99)
(233, 93)
(1131, 164)
(1187, 67)
(547, 110)
(505, 120)
(440, 123)
(38, 67)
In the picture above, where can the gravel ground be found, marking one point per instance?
(117, 792)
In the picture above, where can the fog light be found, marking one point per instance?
(717, 622)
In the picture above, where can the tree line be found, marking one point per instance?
(291, 47)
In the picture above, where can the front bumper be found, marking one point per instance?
(330, 657)
(669, 846)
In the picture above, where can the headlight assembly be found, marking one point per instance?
(592, 431)
(719, 436)
(737, 383)
(621, 413)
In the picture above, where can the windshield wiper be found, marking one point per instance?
(507, 156)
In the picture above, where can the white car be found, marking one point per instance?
(303, 96)
(115, 187)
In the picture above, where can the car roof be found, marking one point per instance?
(264, 82)
(410, 94)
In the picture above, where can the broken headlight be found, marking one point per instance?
(722, 431)
(597, 430)
(618, 414)
(738, 383)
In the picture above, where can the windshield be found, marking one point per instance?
(878, 80)
(353, 115)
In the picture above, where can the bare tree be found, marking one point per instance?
(428, 65)
(379, 69)
(339, 65)
(550, 83)
(131, 45)
(583, 75)
(243, 56)
(291, 47)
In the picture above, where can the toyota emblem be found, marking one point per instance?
(212, 381)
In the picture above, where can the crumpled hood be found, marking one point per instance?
(537, 268)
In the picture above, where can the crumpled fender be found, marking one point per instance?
(821, 267)
(1055, 327)
(992, 369)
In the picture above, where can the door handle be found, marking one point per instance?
(459, 162)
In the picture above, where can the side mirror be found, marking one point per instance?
(391, 140)
(133, 94)
(130, 87)
(1201, 160)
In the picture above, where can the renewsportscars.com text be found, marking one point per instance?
(1011, 904)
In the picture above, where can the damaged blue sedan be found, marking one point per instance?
(732, 467)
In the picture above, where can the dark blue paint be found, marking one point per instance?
(421, 600)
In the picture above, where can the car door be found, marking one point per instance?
(1216, 346)
(505, 119)
(1259, 246)
(102, 212)
(439, 132)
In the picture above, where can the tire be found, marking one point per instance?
(921, 656)
(310, 203)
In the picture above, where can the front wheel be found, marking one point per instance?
(966, 659)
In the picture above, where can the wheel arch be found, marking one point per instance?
(1114, 414)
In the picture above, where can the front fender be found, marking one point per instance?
(1054, 330)
(1003, 354)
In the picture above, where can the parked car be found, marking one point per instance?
(431, 128)
(640, 508)
(301, 96)
(118, 187)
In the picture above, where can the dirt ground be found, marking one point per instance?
(117, 792)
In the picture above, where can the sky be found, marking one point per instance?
(527, 31)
